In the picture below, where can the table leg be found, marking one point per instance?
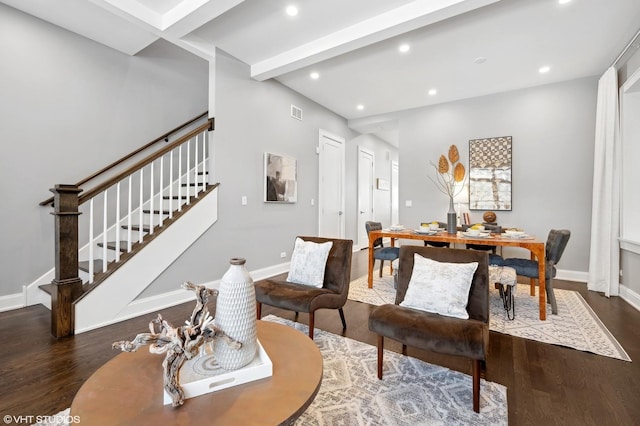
(542, 289)
(542, 293)
(532, 281)
(370, 275)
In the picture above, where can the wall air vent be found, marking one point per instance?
(296, 112)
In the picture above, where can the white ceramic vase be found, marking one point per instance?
(236, 316)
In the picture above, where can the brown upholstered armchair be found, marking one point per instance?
(433, 332)
(333, 294)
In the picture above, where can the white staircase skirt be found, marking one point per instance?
(112, 301)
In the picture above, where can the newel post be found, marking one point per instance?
(67, 285)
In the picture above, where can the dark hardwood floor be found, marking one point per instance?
(546, 384)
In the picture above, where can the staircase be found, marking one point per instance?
(125, 231)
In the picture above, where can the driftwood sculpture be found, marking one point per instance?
(179, 343)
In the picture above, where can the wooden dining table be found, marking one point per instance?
(531, 243)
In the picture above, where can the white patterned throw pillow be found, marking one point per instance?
(308, 262)
(440, 287)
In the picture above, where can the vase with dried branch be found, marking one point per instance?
(450, 172)
(180, 343)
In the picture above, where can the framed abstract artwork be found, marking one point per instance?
(280, 179)
(490, 173)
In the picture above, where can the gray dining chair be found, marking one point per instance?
(380, 252)
(556, 243)
(442, 244)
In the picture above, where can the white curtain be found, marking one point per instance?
(604, 259)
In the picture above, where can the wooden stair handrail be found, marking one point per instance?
(133, 153)
(140, 164)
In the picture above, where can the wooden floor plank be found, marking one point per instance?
(546, 384)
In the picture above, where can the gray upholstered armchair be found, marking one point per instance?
(434, 332)
(278, 292)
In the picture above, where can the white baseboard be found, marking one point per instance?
(153, 304)
(630, 297)
(11, 302)
(579, 276)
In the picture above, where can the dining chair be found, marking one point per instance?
(556, 243)
(494, 229)
(380, 252)
(443, 244)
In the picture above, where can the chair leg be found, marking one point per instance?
(476, 385)
(311, 321)
(404, 350)
(259, 310)
(380, 355)
(344, 323)
(381, 267)
(551, 297)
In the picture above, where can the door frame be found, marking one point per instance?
(322, 134)
(360, 226)
(395, 192)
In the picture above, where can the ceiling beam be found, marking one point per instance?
(406, 18)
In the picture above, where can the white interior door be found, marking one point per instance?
(395, 197)
(366, 161)
(331, 192)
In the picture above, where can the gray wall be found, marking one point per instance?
(69, 106)
(252, 118)
(553, 137)
(630, 261)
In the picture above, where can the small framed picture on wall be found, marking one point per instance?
(280, 178)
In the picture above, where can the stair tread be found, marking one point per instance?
(111, 245)
(47, 288)
(156, 211)
(145, 228)
(84, 265)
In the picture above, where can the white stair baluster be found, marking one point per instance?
(151, 197)
(180, 178)
(129, 242)
(195, 175)
(188, 171)
(104, 232)
(171, 184)
(117, 228)
(204, 160)
(160, 206)
(141, 205)
(91, 271)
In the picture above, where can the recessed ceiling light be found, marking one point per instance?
(360, 107)
(480, 60)
(292, 10)
(432, 92)
(404, 48)
(563, 1)
(314, 75)
(544, 70)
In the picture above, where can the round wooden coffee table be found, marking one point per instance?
(128, 389)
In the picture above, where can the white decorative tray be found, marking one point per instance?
(202, 374)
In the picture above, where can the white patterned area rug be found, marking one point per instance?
(576, 325)
(412, 392)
